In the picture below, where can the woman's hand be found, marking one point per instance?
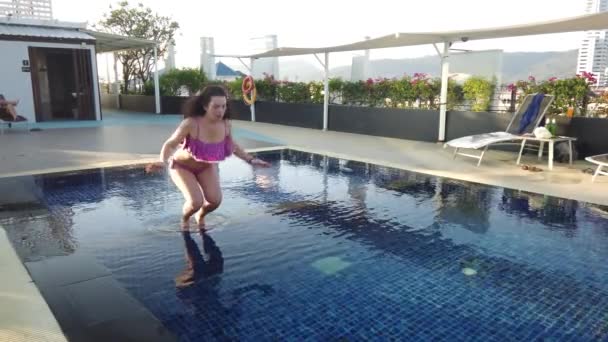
(155, 167)
(182, 156)
(259, 162)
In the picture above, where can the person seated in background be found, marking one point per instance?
(8, 111)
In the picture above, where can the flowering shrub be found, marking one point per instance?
(570, 92)
(421, 91)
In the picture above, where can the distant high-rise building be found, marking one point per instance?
(207, 57)
(170, 58)
(26, 9)
(360, 66)
(269, 66)
(359, 70)
(593, 53)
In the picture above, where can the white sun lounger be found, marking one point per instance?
(601, 160)
(511, 133)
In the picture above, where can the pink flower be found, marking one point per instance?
(590, 77)
(419, 75)
(531, 78)
(369, 82)
(512, 87)
(553, 79)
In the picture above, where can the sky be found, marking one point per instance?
(315, 23)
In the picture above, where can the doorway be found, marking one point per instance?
(62, 84)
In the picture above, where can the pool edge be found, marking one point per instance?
(29, 317)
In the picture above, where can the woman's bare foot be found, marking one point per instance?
(202, 227)
(200, 218)
(185, 224)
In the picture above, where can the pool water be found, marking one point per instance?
(318, 248)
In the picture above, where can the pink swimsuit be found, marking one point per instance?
(205, 152)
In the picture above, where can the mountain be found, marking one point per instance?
(542, 65)
(515, 66)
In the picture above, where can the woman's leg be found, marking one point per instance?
(209, 180)
(188, 184)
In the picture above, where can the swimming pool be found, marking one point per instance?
(318, 248)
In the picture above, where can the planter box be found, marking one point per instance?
(590, 134)
(172, 104)
(240, 110)
(304, 115)
(412, 124)
(461, 124)
(109, 101)
(138, 103)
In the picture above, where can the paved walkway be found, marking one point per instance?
(124, 138)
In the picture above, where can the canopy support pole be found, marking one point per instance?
(443, 97)
(156, 83)
(325, 89)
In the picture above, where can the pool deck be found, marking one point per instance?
(128, 138)
(24, 315)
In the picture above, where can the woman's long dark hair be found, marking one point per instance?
(195, 106)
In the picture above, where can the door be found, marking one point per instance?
(60, 65)
(84, 84)
(39, 87)
(62, 83)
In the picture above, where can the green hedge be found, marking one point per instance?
(381, 92)
(418, 90)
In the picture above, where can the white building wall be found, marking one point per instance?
(16, 84)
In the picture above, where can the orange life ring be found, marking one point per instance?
(250, 100)
(248, 88)
(248, 85)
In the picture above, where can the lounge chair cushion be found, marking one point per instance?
(531, 113)
(482, 140)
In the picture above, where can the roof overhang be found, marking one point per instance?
(52, 30)
(598, 21)
(108, 42)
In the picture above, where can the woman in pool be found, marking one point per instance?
(205, 138)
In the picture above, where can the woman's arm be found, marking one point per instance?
(239, 152)
(175, 139)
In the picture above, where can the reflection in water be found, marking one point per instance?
(465, 206)
(357, 191)
(551, 211)
(199, 288)
(404, 182)
(199, 265)
(266, 178)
